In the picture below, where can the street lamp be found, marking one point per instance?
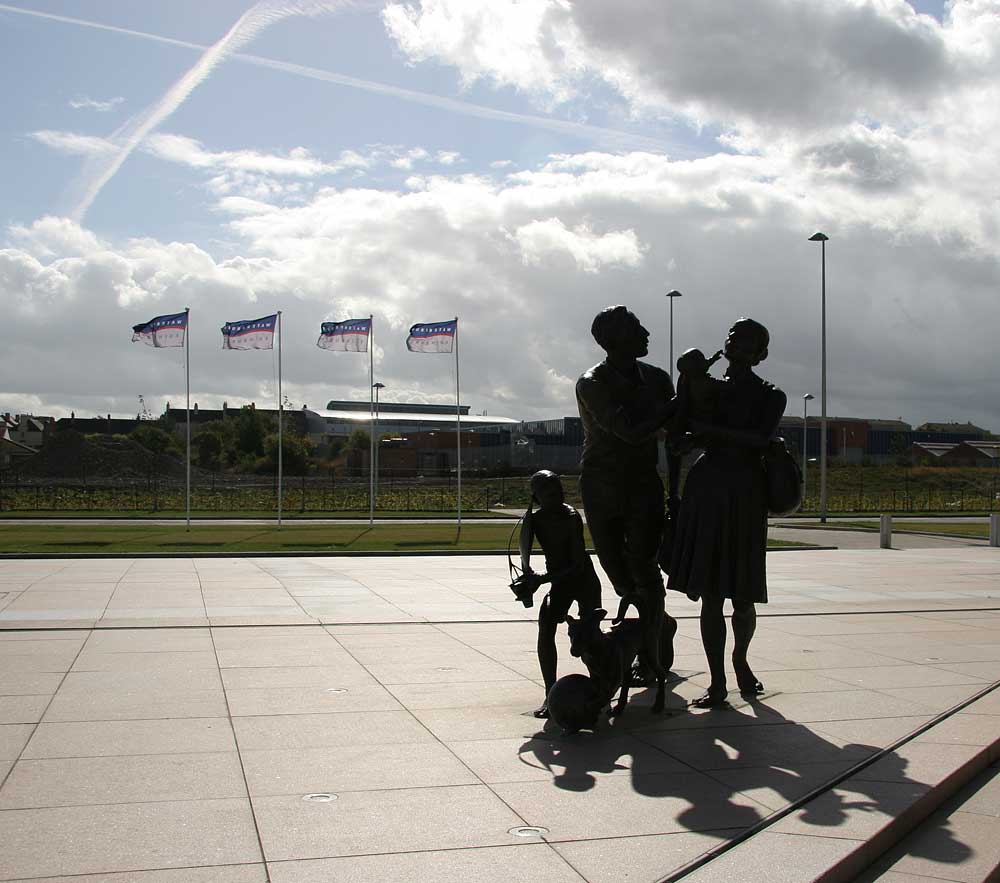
(670, 296)
(806, 399)
(822, 238)
(376, 386)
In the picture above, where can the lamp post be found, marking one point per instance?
(670, 296)
(806, 399)
(822, 238)
(375, 446)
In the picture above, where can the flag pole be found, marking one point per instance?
(187, 378)
(458, 429)
(371, 414)
(280, 421)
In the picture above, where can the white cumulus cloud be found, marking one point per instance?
(526, 262)
(539, 240)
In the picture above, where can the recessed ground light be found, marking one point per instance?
(447, 668)
(933, 658)
(336, 690)
(528, 831)
(320, 798)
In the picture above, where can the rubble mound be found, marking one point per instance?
(71, 454)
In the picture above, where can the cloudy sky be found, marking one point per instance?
(518, 164)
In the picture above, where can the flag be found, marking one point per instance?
(350, 335)
(162, 330)
(250, 334)
(432, 337)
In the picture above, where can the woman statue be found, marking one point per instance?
(721, 533)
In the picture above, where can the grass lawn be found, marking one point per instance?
(97, 538)
(966, 529)
(294, 515)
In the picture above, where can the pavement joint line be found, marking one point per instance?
(118, 583)
(206, 799)
(38, 723)
(853, 529)
(310, 553)
(149, 870)
(521, 845)
(239, 755)
(778, 815)
(140, 754)
(97, 627)
(438, 740)
(478, 652)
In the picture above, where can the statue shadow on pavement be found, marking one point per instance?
(750, 762)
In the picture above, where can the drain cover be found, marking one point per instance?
(447, 668)
(528, 831)
(320, 798)
(337, 690)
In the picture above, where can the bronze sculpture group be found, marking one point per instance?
(711, 544)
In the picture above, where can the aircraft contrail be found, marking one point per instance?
(599, 134)
(594, 133)
(101, 169)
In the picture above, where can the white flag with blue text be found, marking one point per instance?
(250, 334)
(432, 337)
(162, 330)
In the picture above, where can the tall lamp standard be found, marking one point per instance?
(822, 238)
(375, 446)
(671, 295)
(806, 399)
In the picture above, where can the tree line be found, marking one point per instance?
(246, 443)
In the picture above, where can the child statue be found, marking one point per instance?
(558, 528)
(697, 391)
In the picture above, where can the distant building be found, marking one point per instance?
(859, 440)
(930, 453)
(96, 425)
(11, 452)
(973, 453)
(965, 430)
(849, 439)
(24, 429)
(13, 432)
(339, 419)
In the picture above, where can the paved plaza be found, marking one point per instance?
(332, 718)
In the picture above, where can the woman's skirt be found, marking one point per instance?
(721, 534)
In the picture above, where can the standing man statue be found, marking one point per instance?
(623, 403)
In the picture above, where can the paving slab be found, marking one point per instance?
(13, 738)
(343, 728)
(403, 690)
(216, 874)
(456, 588)
(77, 781)
(640, 859)
(125, 837)
(23, 709)
(125, 737)
(531, 863)
(135, 705)
(353, 768)
(369, 822)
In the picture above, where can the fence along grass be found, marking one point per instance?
(850, 489)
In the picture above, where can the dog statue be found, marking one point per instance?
(609, 656)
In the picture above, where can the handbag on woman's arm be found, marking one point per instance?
(784, 479)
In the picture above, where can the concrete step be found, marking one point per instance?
(958, 842)
(845, 827)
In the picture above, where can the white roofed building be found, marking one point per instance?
(340, 419)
